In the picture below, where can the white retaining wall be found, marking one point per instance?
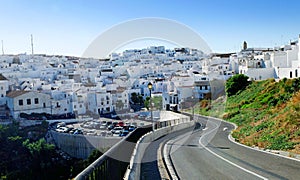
(81, 146)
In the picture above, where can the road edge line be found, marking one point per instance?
(226, 160)
(253, 148)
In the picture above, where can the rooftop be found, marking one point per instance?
(2, 78)
(13, 94)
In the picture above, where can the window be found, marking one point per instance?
(21, 102)
(1, 87)
(2, 95)
(36, 100)
(44, 105)
(28, 101)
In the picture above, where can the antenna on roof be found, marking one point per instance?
(31, 44)
(2, 47)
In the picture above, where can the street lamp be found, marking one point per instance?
(193, 107)
(150, 89)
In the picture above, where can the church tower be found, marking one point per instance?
(245, 46)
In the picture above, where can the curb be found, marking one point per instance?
(283, 154)
(161, 162)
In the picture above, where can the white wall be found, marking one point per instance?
(43, 105)
(260, 73)
(3, 90)
(287, 72)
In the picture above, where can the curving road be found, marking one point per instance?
(207, 153)
(149, 166)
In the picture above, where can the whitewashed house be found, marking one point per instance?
(28, 102)
(171, 101)
(120, 99)
(99, 102)
(4, 85)
(61, 102)
(201, 88)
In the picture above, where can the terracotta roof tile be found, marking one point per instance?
(13, 94)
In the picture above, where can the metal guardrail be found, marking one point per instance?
(110, 165)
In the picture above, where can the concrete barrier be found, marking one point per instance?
(81, 146)
(134, 170)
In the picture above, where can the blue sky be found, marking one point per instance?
(68, 27)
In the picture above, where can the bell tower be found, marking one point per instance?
(245, 46)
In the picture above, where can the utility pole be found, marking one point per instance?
(31, 44)
(2, 47)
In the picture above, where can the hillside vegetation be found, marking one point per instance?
(267, 114)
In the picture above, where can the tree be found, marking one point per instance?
(141, 100)
(134, 98)
(147, 102)
(236, 83)
(94, 156)
(156, 101)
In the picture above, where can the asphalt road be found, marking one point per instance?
(149, 166)
(209, 154)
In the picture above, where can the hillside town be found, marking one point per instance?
(67, 87)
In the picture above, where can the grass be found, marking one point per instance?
(267, 114)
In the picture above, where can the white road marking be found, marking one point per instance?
(224, 159)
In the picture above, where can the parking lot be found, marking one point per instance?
(100, 127)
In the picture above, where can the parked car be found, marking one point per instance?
(131, 128)
(121, 123)
(61, 124)
(78, 131)
(117, 130)
(103, 133)
(102, 127)
(115, 124)
(110, 127)
(124, 133)
(127, 123)
(109, 133)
